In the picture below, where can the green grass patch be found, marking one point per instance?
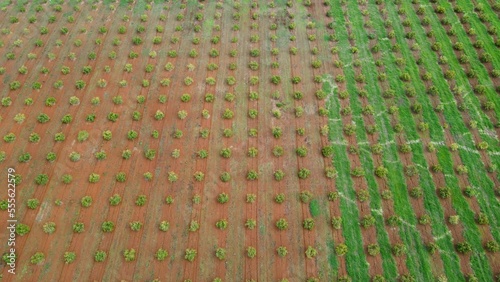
(314, 208)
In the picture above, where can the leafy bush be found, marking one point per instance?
(69, 257)
(282, 251)
(416, 192)
(33, 203)
(250, 223)
(222, 198)
(301, 151)
(129, 254)
(225, 176)
(251, 252)
(303, 173)
(37, 258)
(74, 156)
(49, 227)
(86, 201)
(250, 198)
(190, 254)
(282, 224)
(101, 155)
(311, 252)
(381, 171)
(279, 175)
(444, 192)
(150, 154)
(252, 175)
(42, 179)
(220, 253)
(34, 137)
(367, 221)
(308, 224)
(164, 226)
(393, 220)
(463, 247)
(94, 178)
(107, 226)
(225, 153)
(140, 200)
(199, 176)
(492, 246)
(78, 227)
(341, 249)
(279, 198)
(82, 135)
(161, 254)
(135, 225)
(100, 256)
(121, 177)
(398, 249)
(221, 224)
(43, 118)
(425, 219)
(22, 229)
(373, 249)
(482, 219)
(362, 195)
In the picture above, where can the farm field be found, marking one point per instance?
(330, 140)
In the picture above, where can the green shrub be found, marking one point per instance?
(308, 223)
(221, 224)
(463, 247)
(150, 154)
(301, 151)
(94, 178)
(86, 201)
(51, 157)
(78, 227)
(69, 257)
(199, 176)
(49, 227)
(42, 179)
(282, 251)
(164, 226)
(100, 256)
(279, 175)
(225, 176)
(303, 173)
(225, 153)
(398, 249)
(37, 258)
(341, 249)
(222, 198)
(121, 177)
(67, 178)
(33, 203)
(107, 226)
(140, 200)
(59, 137)
(22, 229)
(250, 224)
(373, 249)
(129, 254)
(115, 200)
(251, 252)
(311, 252)
(190, 254)
(161, 254)
(135, 225)
(282, 224)
(220, 253)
